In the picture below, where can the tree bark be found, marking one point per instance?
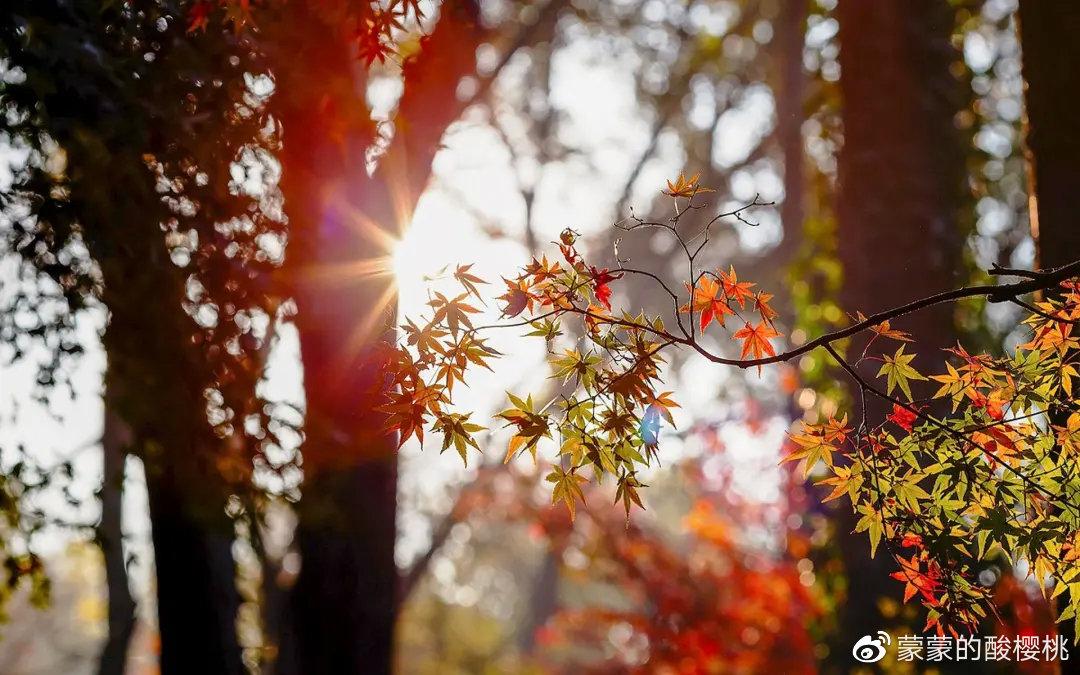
(155, 385)
(159, 395)
(790, 38)
(342, 224)
(115, 443)
(900, 174)
(1051, 69)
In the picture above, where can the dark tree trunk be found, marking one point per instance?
(110, 111)
(341, 611)
(342, 223)
(790, 38)
(197, 597)
(115, 443)
(192, 535)
(155, 385)
(900, 191)
(1051, 68)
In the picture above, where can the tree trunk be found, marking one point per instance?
(115, 443)
(155, 385)
(790, 99)
(343, 224)
(1051, 69)
(110, 110)
(543, 600)
(192, 536)
(900, 190)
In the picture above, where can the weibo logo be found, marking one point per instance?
(870, 649)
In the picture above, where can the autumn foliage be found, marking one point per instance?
(969, 464)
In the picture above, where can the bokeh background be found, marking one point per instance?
(578, 112)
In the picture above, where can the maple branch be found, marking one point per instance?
(1037, 281)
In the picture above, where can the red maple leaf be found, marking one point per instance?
(601, 279)
(911, 540)
(902, 417)
(917, 581)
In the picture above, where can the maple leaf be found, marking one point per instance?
(813, 445)
(517, 297)
(627, 493)
(707, 300)
(199, 16)
(836, 430)
(884, 329)
(453, 311)
(916, 581)
(898, 369)
(468, 281)
(407, 408)
(371, 46)
(595, 318)
(664, 403)
(902, 417)
(405, 6)
(994, 404)
(954, 384)
(761, 305)
(756, 340)
(458, 431)
(425, 339)
(542, 270)
(601, 278)
(1068, 436)
(841, 484)
(736, 290)
(973, 363)
(566, 246)
(567, 488)
(467, 349)
(685, 187)
(530, 426)
(911, 540)
(238, 13)
(574, 364)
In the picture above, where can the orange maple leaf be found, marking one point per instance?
(756, 340)
(685, 187)
(761, 304)
(708, 302)
(736, 290)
